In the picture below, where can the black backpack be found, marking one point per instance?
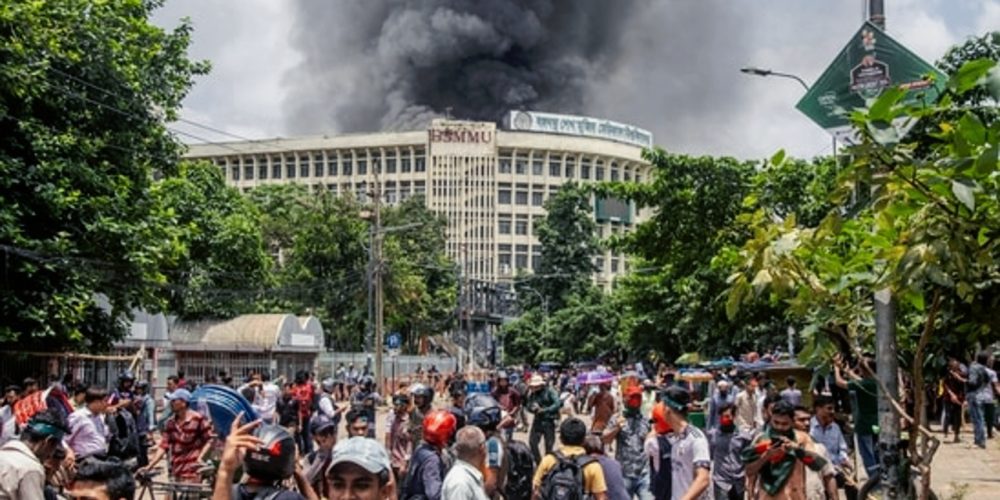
(520, 471)
(565, 480)
(123, 440)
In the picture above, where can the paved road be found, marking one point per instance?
(961, 466)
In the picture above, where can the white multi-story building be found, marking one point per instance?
(490, 183)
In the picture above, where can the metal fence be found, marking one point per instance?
(328, 362)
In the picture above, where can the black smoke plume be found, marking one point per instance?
(373, 65)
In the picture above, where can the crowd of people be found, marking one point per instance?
(739, 434)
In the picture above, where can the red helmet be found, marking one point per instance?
(660, 424)
(439, 425)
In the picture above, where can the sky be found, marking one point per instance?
(288, 68)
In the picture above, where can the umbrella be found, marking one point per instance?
(689, 358)
(596, 377)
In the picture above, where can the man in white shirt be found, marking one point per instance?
(689, 454)
(88, 435)
(465, 481)
(22, 475)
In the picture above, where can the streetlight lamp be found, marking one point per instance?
(751, 70)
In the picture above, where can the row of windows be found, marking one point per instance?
(288, 167)
(511, 263)
(597, 170)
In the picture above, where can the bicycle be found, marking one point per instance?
(177, 491)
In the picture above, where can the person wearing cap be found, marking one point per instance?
(465, 479)
(186, 436)
(689, 454)
(360, 470)
(22, 473)
(324, 432)
(628, 431)
(723, 396)
(544, 403)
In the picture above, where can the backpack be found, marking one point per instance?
(123, 436)
(520, 471)
(661, 481)
(565, 480)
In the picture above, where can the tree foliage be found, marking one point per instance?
(325, 269)
(930, 229)
(84, 90)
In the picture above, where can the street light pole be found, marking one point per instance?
(751, 70)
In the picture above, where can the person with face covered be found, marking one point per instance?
(690, 458)
(723, 396)
(22, 473)
(628, 431)
(778, 457)
(727, 444)
(658, 450)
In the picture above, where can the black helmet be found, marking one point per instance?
(457, 388)
(125, 375)
(367, 383)
(142, 384)
(422, 391)
(274, 460)
(482, 411)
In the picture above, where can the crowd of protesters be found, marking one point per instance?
(453, 436)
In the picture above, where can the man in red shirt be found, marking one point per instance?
(187, 437)
(510, 401)
(303, 392)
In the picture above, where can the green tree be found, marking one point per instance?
(928, 234)
(224, 267)
(568, 235)
(85, 88)
(420, 280)
(684, 249)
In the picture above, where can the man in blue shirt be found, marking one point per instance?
(825, 431)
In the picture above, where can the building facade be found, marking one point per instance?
(490, 182)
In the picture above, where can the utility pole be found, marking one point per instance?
(377, 276)
(886, 359)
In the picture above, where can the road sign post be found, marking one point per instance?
(870, 63)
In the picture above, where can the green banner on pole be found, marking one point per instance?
(871, 62)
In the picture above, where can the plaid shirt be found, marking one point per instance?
(184, 440)
(303, 393)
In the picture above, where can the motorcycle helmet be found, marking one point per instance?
(439, 426)
(274, 459)
(422, 391)
(368, 383)
(125, 375)
(327, 384)
(482, 411)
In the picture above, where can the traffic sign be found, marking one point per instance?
(870, 63)
(394, 341)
